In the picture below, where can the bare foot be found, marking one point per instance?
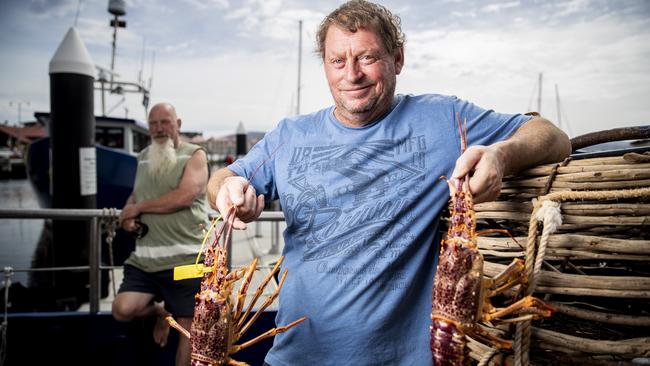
(161, 331)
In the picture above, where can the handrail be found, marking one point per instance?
(94, 257)
(85, 213)
(51, 213)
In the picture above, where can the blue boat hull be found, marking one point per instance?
(115, 174)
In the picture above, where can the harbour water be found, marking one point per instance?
(18, 237)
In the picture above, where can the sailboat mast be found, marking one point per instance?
(539, 94)
(299, 65)
(557, 103)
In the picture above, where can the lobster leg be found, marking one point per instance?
(269, 333)
(241, 294)
(508, 278)
(240, 321)
(528, 305)
(236, 363)
(178, 327)
(267, 302)
(538, 313)
(484, 336)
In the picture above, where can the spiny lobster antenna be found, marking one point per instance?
(462, 130)
(264, 162)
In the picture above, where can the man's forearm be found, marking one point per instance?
(536, 142)
(131, 199)
(172, 201)
(215, 184)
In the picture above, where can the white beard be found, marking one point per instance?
(162, 157)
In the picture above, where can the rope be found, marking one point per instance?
(551, 216)
(547, 210)
(522, 331)
(8, 271)
(487, 357)
(551, 177)
(110, 221)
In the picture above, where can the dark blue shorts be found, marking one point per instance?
(178, 295)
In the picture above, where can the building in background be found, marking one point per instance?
(13, 144)
(220, 148)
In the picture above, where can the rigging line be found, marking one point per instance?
(140, 73)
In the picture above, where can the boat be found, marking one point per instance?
(40, 317)
(118, 140)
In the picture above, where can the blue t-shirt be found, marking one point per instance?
(362, 207)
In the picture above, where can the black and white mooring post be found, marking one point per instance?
(72, 125)
(72, 141)
(241, 146)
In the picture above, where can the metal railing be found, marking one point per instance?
(95, 216)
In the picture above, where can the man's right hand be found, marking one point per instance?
(237, 191)
(130, 225)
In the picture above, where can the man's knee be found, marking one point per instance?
(123, 311)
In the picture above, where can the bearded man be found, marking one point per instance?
(169, 200)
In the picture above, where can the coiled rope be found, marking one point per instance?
(110, 220)
(546, 210)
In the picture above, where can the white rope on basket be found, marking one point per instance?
(549, 214)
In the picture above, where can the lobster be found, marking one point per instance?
(460, 293)
(220, 321)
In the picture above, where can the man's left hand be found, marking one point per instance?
(486, 165)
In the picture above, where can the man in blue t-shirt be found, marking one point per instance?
(358, 183)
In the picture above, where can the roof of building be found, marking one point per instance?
(24, 134)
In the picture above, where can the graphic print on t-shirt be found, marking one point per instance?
(341, 197)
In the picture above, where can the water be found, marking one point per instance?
(18, 238)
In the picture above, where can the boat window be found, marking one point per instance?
(110, 137)
(140, 141)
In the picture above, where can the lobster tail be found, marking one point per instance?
(448, 345)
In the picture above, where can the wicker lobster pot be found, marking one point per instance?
(593, 268)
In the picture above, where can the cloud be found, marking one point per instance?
(208, 4)
(52, 8)
(599, 63)
(495, 8)
(226, 61)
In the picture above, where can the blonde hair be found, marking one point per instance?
(361, 14)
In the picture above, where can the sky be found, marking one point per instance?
(221, 62)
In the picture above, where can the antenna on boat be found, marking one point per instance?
(106, 76)
(117, 8)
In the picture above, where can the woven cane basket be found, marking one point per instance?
(589, 260)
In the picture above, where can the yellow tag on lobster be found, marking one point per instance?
(190, 271)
